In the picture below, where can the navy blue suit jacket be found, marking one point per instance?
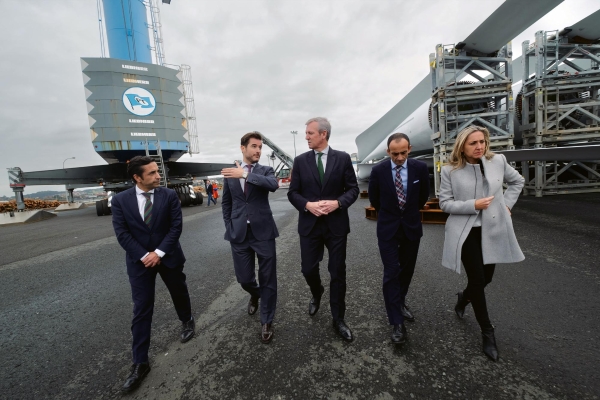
(138, 239)
(339, 183)
(238, 208)
(383, 197)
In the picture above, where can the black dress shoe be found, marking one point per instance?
(342, 329)
(187, 330)
(315, 303)
(461, 304)
(266, 333)
(137, 375)
(252, 305)
(489, 344)
(407, 314)
(399, 334)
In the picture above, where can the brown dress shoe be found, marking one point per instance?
(267, 333)
(252, 305)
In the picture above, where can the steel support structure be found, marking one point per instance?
(560, 107)
(468, 90)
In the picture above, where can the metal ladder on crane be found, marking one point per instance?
(158, 159)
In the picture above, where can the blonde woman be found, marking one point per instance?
(479, 230)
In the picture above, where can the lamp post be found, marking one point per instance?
(70, 158)
(294, 133)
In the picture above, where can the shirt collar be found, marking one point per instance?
(139, 191)
(324, 151)
(244, 163)
(402, 166)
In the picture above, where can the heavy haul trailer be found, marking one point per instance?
(134, 108)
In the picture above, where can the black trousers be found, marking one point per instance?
(142, 293)
(311, 252)
(479, 276)
(399, 256)
(243, 263)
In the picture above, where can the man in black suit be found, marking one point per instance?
(147, 221)
(251, 230)
(398, 189)
(322, 188)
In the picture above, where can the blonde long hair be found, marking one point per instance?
(457, 158)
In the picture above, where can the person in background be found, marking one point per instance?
(479, 231)
(208, 186)
(322, 188)
(215, 191)
(251, 230)
(398, 189)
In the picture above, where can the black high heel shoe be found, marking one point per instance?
(461, 304)
(489, 344)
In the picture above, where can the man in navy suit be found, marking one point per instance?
(322, 188)
(147, 221)
(398, 189)
(251, 230)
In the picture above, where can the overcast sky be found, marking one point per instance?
(265, 65)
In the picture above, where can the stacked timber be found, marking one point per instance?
(30, 204)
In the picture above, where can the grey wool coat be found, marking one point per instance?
(459, 188)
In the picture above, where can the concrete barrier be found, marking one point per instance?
(25, 217)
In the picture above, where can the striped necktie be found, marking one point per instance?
(400, 188)
(148, 209)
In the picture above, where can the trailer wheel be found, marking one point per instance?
(99, 208)
(199, 198)
(105, 207)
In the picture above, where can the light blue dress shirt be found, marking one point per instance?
(403, 175)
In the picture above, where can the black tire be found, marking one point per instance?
(99, 208)
(188, 200)
(181, 198)
(105, 207)
(199, 198)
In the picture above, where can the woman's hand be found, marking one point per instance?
(483, 204)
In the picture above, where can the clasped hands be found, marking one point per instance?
(237, 172)
(151, 260)
(322, 207)
(484, 203)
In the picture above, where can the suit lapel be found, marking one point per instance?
(312, 165)
(331, 158)
(410, 178)
(159, 195)
(133, 205)
(389, 178)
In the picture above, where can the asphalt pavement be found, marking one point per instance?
(65, 314)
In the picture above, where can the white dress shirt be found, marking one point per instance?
(141, 200)
(323, 157)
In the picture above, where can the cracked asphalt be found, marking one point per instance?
(65, 310)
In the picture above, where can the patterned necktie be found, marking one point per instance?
(148, 209)
(400, 188)
(320, 167)
(249, 168)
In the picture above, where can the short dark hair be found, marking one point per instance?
(251, 135)
(398, 136)
(135, 166)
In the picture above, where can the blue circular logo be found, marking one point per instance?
(139, 101)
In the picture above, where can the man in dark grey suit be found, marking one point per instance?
(251, 230)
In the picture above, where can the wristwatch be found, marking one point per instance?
(339, 204)
(245, 175)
